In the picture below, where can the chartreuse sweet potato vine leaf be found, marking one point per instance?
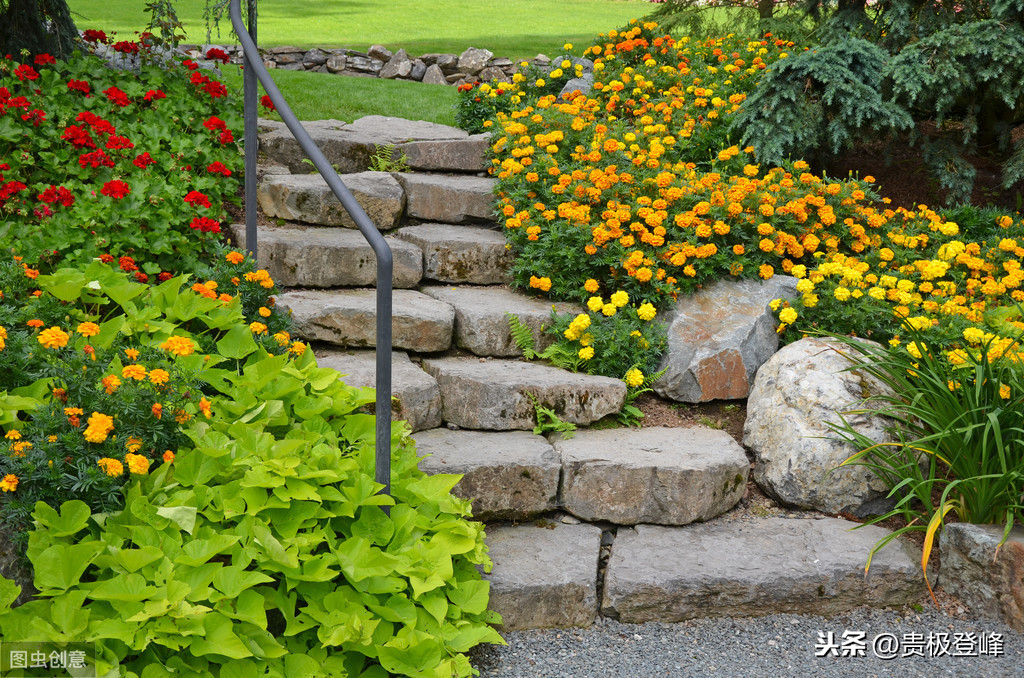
(263, 550)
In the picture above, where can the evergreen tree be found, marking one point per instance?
(37, 26)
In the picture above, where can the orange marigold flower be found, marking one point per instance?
(257, 328)
(133, 444)
(131, 353)
(298, 348)
(157, 410)
(204, 407)
(112, 467)
(159, 376)
(88, 329)
(179, 346)
(110, 383)
(60, 394)
(99, 427)
(137, 464)
(9, 483)
(136, 372)
(234, 257)
(53, 337)
(168, 456)
(591, 285)
(181, 416)
(13, 434)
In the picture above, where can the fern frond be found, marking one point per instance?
(523, 336)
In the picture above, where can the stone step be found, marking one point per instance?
(300, 256)
(481, 325)
(668, 476)
(461, 254)
(544, 576)
(308, 198)
(349, 146)
(449, 198)
(493, 394)
(416, 398)
(509, 475)
(756, 567)
(347, 318)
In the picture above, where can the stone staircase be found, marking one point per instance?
(630, 523)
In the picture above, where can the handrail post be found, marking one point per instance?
(251, 140)
(385, 262)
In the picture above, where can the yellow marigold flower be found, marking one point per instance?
(13, 434)
(646, 312)
(619, 299)
(133, 444)
(634, 378)
(804, 286)
(282, 338)
(788, 315)
(204, 407)
(257, 328)
(595, 303)
(841, 293)
(53, 337)
(159, 376)
(766, 271)
(234, 257)
(591, 285)
(179, 346)
(99, 427)
(136, 372)
(9, 483)
(1004, 391)
(137, 464)
(586, 353)
(974, 335)
(131, 353)
(88, 329)
(110, 383)
(609, 310)
(18, 448)
(112, 467)
(181, 416)
(298, 348)
(264, 312)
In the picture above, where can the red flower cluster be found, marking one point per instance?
(266, 103)
(98, 158)
(215, 89)
(92, 35)
(98, 124)
(116, 189)
(219, 168)
(144, 160)
(205, 225)
(126, 47)
(44, 60)
(127, 264)
(57, 194)
(154, 94)
(25, 72)
(9, 189)
(79, 86)
(115, 142)
(195, 198)
(106, 258)
(35, 115)
(217, 55)
(78, 136)
(117, 97)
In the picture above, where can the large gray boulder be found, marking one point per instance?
(797, 392)
(495, 394)
(509, 475)
(668, 476)
(766, 566)
(987, 577)
(449, 198)
(308, 198)
(473, 60)
(461, 254)
(398, 66)
(544, 576)
(718, 337)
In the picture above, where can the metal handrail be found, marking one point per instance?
(255, 69)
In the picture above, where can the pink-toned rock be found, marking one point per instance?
(988, 579)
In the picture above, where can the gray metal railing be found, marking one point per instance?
(254, 69)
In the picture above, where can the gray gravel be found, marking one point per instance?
(779, 646)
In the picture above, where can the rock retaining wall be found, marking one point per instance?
(379, 62)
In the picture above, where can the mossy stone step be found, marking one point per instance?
(461, 254)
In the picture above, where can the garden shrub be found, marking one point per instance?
(96, 160)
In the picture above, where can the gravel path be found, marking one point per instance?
(776, 646)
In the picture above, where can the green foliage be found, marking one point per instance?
(958, 431)
(479, 103)
(548, 420)
(819, 101)
(386, 159)
(264, 550)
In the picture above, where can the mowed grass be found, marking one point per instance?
(509, 28)
(319, 96)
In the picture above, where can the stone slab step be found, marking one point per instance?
(416, 398)
(756, 567)
(448, 198)
(544, 576)
(307, 198)
(298, 256)
(668, 476)
(509, 475)
(349, 146)
(481, 325)
(492, 394)
(347, 318)
(461, 254)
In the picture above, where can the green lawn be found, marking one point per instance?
(512, 28)
(346, 99)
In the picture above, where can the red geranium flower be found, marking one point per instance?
(96, 122)
(95, 36)
(215, 89)
(79, 86)
(205, 225)
(154, 94)
(266, 103)
(226, 137)
(35, 115)
(117, 97)
(217, 55)
(195, 198)
(219, 168)
(127, 264)
(116, 189)
(78, 136)
(26, 72)
(115, 142)
(44, 59)
(143, 161)
(214, 123)
(199, 79)
(126, 47)
(98, 158)
(9, 189)
(106, 258)
(190, 65)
